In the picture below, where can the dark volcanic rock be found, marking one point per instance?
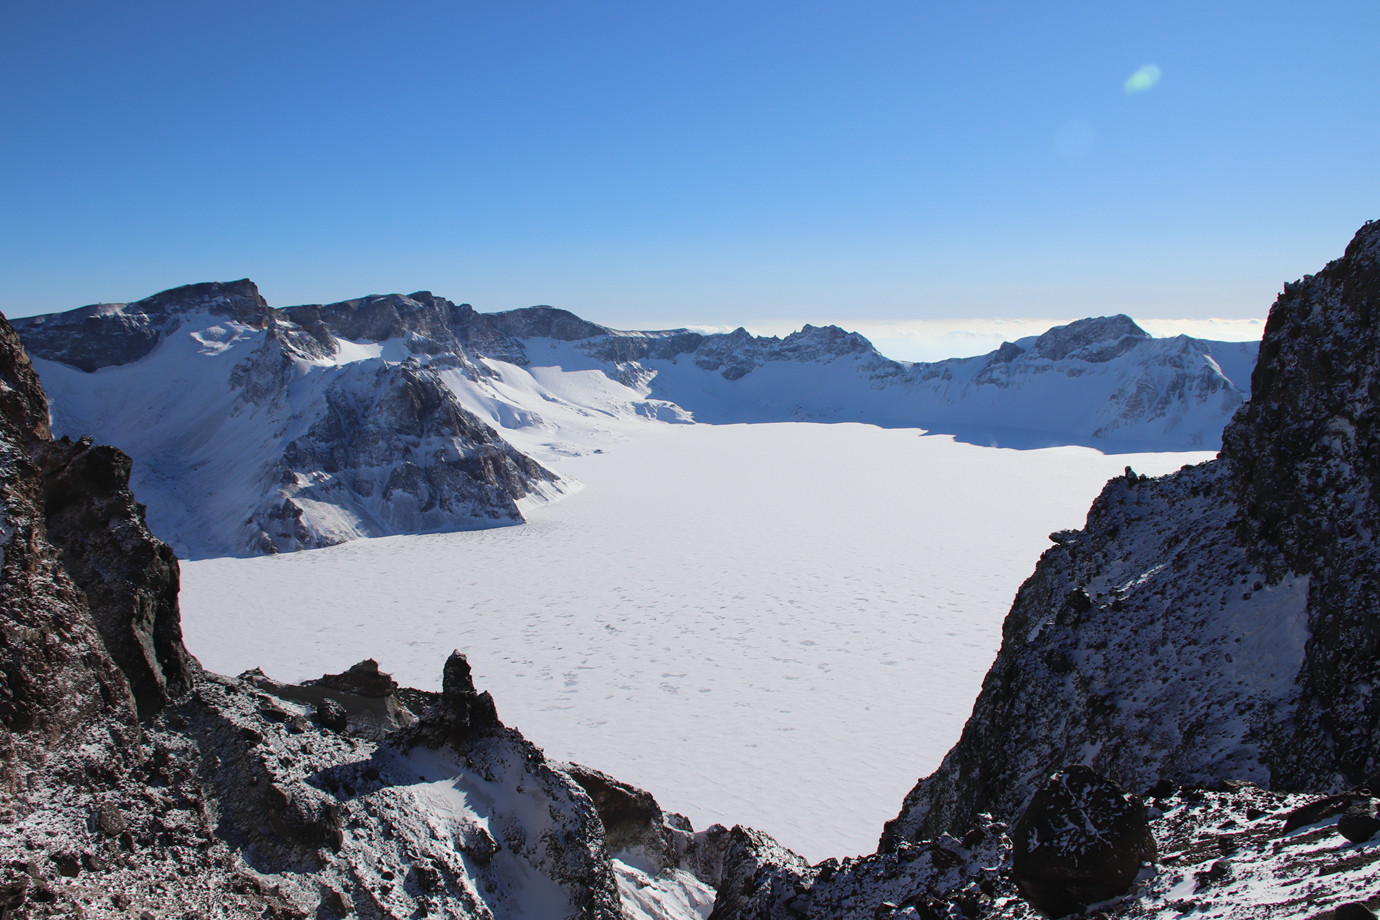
(56, 681)
(362, 700)
(1305, 455)
(129, 576)
(762, 880)
(1082, 839)
(362, 679)
(464, 708)
(633, 821)
(1359, 822)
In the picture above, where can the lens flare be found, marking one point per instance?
(1142, 79)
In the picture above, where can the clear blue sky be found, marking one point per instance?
(658, 163)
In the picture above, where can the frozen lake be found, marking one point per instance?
(781, 625)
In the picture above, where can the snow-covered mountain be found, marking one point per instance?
(263, 430)
(253, 433)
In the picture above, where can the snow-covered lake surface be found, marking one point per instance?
(778, 625)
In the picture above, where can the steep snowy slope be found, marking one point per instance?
(262, 430)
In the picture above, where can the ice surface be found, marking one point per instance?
(776, 625)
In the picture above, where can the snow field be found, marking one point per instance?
(778, 625)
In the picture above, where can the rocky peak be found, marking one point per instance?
(545, 322)
(1095, 340)
(421, 317)
(824, 341)
(106, 335)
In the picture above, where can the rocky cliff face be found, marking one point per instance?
(1305, 462)
(1218, 623)
(58, 687)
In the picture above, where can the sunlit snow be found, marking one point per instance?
(779, 625)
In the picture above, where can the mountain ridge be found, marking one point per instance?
(479, 407)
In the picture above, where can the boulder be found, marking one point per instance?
(1082, 839)
(1359, 822)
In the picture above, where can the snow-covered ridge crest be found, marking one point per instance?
(257, 429)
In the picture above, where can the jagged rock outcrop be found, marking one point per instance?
(1305, 461)
(640, 834)
(59, 688)
(1230, 850)
(129, 577)
(1219, 622)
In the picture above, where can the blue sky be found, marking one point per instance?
(656, 164)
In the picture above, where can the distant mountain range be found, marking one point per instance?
(257, 429)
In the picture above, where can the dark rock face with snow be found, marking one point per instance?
(129, 577)
(1305, 460)
(58, 686)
